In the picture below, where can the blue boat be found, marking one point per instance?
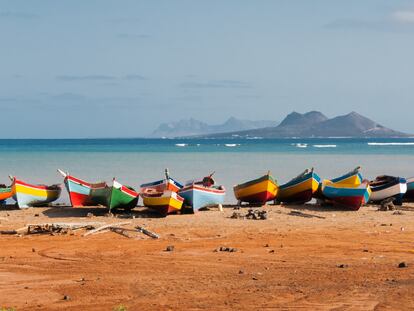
(202, 194)
(346, 195)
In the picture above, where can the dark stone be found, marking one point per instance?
(342, 266)
(402, 265)
(36, 215)
(66, 297)
(170, 248)
(241, 272)
(33, 250)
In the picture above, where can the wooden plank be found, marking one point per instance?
(107, 227)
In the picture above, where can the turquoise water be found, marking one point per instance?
(135, 161)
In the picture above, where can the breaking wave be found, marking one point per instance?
(324, 146)
(391, 144)
(181, 145)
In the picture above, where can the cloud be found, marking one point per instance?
(124, 20)
(132, 36)
(104, 78)
(69, 97)
(225, 84)
(398, 21)
(16, 15)
(87, 77)
(134, 77)
(405, 17)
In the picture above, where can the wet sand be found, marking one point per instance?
(343, 261)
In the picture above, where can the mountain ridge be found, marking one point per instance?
(315, 124)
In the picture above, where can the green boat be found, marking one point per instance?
(114, 197)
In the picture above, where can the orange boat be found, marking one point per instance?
(5, 192)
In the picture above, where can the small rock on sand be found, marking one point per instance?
(402, 265)
(169, 248)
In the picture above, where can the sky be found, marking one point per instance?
(100, 68)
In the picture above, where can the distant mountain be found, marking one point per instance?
(315, 124)
(192, 127)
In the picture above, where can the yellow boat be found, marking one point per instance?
(260, 190)
(164, 203)
(300, 189)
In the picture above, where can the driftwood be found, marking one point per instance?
(8, 232)
(147, 232)
(121, 231)
(298, 213)
(108, 226)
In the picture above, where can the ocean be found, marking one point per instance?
(136, 161)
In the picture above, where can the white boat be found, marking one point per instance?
(384, 187)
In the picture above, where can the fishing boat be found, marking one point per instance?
(346, 195)
(385, 187)
(257, 191)
(162, 185)
(409, 195)
(27, 195)
(5, 192)
(300, 189)
(353, 177)
(199, 194)
(164, 203)
(114, 197)
(80, 190)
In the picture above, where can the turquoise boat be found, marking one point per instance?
(202, 194)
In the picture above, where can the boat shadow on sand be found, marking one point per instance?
(313, 207)
(68, 211)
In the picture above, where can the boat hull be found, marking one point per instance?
(123, 197)
(258, 191)
(162, 185)
(348, 196)
(115, 197)
(409, 195)
(79, 192)
(300, 190)
(27, 195)
(5, 193)
(395, 189)
(198, 196)
(163, 203)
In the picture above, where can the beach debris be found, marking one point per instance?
(66, 297)
(169, 248)
(226, 249)
(398, 213)
(237, 215)
(120, 231)
(147, 232)
(402, 265)
(387, 205)
(241, 272)
(342, 266)
(306, 215)
(271, 251)
(8, 232)
(256, 214)
(108, 226)
(33, 250)
(89, 215)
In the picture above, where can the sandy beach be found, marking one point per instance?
(339, 260)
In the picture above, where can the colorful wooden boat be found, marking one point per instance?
(5, 192)
(80, 190)
(409, 195)
(162, 185)
(116, 196)
(354, 177)
(257, 191)
(300, 189)
(199, 194)
(347, 195)
(384, 187)
(164, 203)
(27, 195)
